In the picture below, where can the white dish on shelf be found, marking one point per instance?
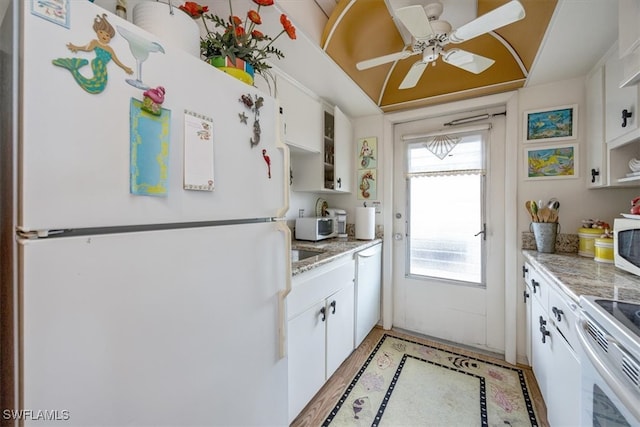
(630, 216)
(634, 165)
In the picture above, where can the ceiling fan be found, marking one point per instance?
(430, 35)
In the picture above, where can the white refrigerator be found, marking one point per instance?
(137, 309)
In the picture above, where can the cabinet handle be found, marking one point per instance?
(594, 173)
(543, 330)
(525, 270)
(535, 284)
(626, 114)
(323, 312)
(339, 182)
(558, 313)
(525, 294)
(333, 306)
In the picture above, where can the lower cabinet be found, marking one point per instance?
(554, 361)
(320, 330)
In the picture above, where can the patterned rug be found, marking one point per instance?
(406, 383)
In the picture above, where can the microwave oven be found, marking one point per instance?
(315, 228)
(626, 244)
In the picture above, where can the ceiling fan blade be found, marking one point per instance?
(467, 60)
(374, 62)
(498, 17)
(414, 74)
(416, 20)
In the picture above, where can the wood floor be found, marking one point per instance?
(316, 411)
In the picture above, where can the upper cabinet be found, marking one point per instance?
(596, 147)
(620, 103)
(331, 170)
(301, 116)
(629, 40)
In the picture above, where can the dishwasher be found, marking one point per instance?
(367, 290)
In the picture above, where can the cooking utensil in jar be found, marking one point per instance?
(544, 214)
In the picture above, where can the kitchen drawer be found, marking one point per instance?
(564, 315)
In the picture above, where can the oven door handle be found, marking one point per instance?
(621, 392)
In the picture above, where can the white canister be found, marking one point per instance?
(177, 29)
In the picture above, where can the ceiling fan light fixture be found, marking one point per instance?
(498, 17)
(467, 61)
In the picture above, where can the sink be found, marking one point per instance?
(302, 254)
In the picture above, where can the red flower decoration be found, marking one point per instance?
(193, 9)
(263, 2)
(288, 26)
(254, 17)
(256, 34)
(236, 21)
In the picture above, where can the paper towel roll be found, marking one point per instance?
(365, 223)
(179, 29)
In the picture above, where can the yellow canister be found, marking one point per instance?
(586, 241)
(603, 250)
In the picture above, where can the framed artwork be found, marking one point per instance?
(56, 11)
(560, 161)
(368, 153)
(367, 186)
(553, 124)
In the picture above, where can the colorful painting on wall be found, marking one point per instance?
(149, 145)
(368, 153)
(554, 162)
(367, 187)
(553, 124)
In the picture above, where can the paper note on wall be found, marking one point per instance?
(149, 145)
(198, 152)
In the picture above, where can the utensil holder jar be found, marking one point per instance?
(545, 234)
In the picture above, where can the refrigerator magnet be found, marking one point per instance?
(198, 152)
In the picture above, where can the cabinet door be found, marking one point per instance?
(563, 391)
(340, 322)
(540, 350)
(344, 149)
(596, 148)
(306, 338)
(618, 99)
(302, 116)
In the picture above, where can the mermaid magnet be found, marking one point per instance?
(104, 53)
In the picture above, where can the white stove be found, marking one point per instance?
(609, 333)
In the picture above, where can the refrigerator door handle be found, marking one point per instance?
(282, 307)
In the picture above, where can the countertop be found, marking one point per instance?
(332, 249)
(577, 275)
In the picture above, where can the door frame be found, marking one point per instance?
(510, 100)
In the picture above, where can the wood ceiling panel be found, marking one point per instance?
(364, 29)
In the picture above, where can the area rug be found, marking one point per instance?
(406, 383)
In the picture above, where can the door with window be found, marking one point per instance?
(448, 267)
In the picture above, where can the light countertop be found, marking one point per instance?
(332, 249)
(577, 275)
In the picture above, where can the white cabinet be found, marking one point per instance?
(368, 291)
(331, 170)
(320, 313)
(344, 149)
(596, 147)
(552, 324)
(629, 40)
(618, 101)
(301, 116)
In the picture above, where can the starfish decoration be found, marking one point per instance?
(243, 117)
